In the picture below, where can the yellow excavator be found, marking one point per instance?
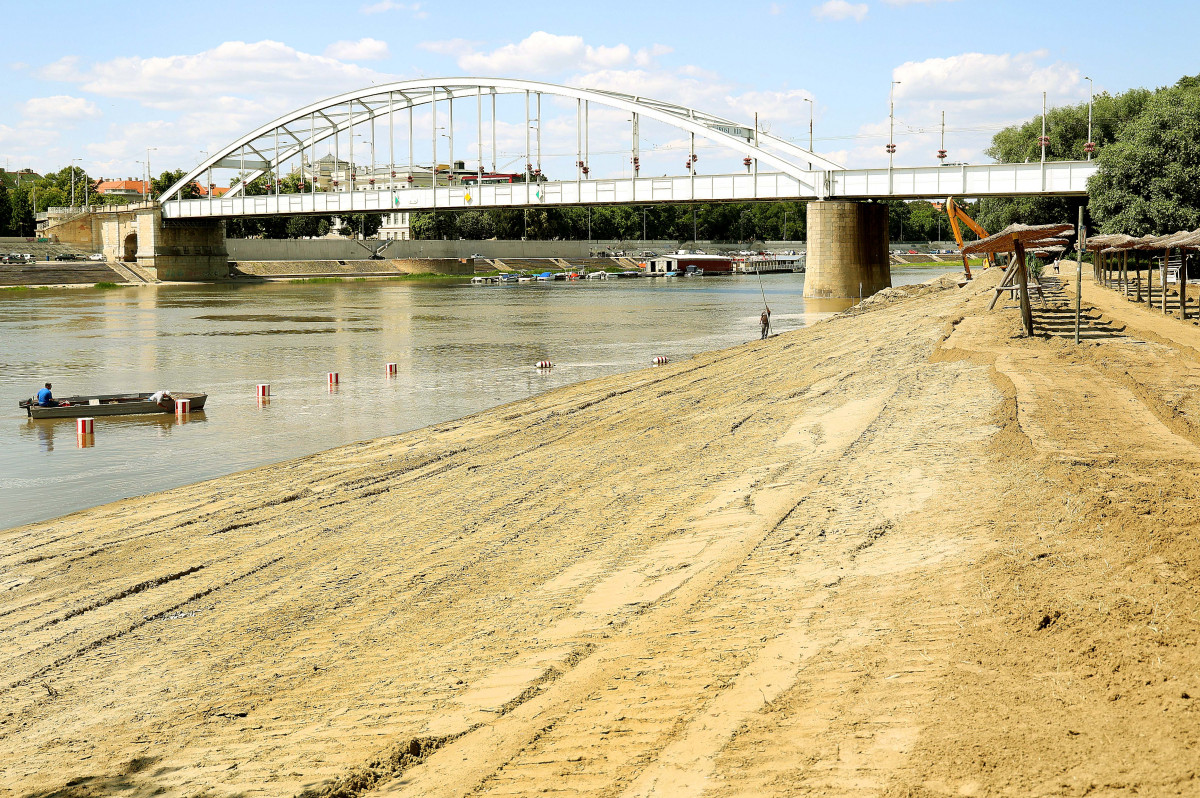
(957, 215)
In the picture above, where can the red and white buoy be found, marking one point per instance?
(264, 391)
(660, 360)
(85, 426)
(183, 407)
(391, 369)
(333, 378)
(545, 364)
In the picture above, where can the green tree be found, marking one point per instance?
(1149, 179)
(160, 184)
(364, 224)
(23, 220)
(7, 227)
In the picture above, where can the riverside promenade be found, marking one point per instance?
(904, 551)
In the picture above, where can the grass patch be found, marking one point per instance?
(106, 285)
(16, 288)
(317, 280)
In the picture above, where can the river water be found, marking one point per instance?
(459, 348)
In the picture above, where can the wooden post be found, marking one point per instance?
(1124, 278)
(1023, 281)
(1162, 277)
(1007, 279)
(1182, 285)
(1149, 282)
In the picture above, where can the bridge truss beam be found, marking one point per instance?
(266, 149)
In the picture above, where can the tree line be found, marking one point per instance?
(1147, 151)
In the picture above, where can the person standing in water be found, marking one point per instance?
(765, 321)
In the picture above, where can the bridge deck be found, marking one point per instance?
(1056, 178)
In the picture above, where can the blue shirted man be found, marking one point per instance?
(45, 398)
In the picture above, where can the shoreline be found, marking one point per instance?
(903, 549)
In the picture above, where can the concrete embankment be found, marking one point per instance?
(901, 552)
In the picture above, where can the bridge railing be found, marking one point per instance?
(698, 188)
(1053, 177)
(931, 182)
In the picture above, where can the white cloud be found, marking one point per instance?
(915, 2)
(59, 109)
(389, 5)
(837, 10)
(362, 50)
(269, 73)
(980, 93)
(65, 69)
(775, 9)
(991, 86)
(545, 53)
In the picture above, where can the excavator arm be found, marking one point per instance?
(957, 215)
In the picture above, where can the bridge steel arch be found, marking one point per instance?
(290, 135)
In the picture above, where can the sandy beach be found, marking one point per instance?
(902, 552)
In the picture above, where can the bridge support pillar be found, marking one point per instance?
(847, 249)
(183, 250)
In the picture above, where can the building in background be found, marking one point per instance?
(18, 178)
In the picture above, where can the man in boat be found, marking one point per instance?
(46, 399)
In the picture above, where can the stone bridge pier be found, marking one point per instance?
(186, 250)
(847, 250)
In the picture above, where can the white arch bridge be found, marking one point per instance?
(775, 168)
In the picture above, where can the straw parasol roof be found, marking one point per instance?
(1106, 240)
(1027, 234)
(1045, 252)
(1122, 241)
(1043, 243)
(1161, 242)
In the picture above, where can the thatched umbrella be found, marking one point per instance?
(1097, 245)
(1166, 244)
(1014, 239)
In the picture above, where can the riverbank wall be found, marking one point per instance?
(355, 268)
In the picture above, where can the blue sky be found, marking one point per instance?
(104, 81)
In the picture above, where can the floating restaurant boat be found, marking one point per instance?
(122, 404)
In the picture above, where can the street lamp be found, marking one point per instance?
(148, 173)
(891, 147)
(73, 160)
(1090, 147)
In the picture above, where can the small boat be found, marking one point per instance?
(524, 278)
(117, 404)
(597, 276)
(545, 277)
(625, 275)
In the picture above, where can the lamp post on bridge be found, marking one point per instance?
(1090, 147)
(810, 127)
(891, 147)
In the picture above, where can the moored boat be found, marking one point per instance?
(120, 404)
